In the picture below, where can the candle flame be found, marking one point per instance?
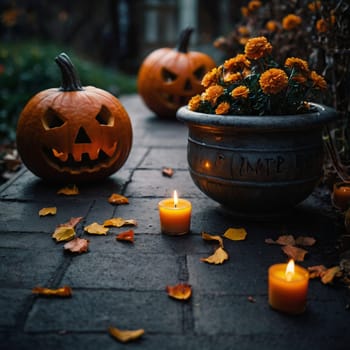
(290, 270)
(176, 200)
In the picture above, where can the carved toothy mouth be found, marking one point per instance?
(90, 161)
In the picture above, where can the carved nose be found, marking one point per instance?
(82, 136)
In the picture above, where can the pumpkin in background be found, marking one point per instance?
(168, 77)
(73, 133)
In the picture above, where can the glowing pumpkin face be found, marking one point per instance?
(73, 134)
(168, 78)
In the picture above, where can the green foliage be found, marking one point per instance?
(28, 68)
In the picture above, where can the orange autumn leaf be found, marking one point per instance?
(125, 336)
(119, 222)
(60, 292)
(305, 241)
(209, 237)
(281, 240)
(236, 234)
(117, 199)
(316, 271)
(181, 291)
(295, 253)
(70, 190)
(77, 245)
(73, 221)
(63, 233)
(48, 211)
(219, 256)
(126, 236)
(329, 275)
(96, 229)
(169, 172)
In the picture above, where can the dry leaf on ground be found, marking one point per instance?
(48, 211)
(236, 234)
(96, 229)
(63, 233)
(295, 253)
(117, 199)
(119, 222)
(169, 172)
(209, 237)
(219, 256)
(281, 240)
(125, 336)
(305, 241)
(181, 291)
(77, 245)
(74, 221)
(316, 271)
(326, 275)
(60, 292)
(127, 236)
(70, 190)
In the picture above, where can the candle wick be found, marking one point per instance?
(175, 205)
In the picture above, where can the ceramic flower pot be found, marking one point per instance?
(256, 165)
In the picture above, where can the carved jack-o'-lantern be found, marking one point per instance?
(168, 77)
(73, 133)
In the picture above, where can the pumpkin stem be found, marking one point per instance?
(70, 77)
(184, 40)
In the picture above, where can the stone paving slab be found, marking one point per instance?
(122, 284)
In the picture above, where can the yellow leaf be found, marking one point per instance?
(181, 291)
(60, 292)
(219, 256)
(119, 222)
(116, 199)
(125, 336)
(236, 234)
(63, 233)
(70, 190)
(96, 229)
(329, 274)
(48, 211)
(209, 237)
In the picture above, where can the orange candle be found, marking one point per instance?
(341, 195)
(175, 215)
(288, 284)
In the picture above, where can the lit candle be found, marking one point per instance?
(341, 195)
(288, 284)
(175, 215)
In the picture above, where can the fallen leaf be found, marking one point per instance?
(96, 229)
(77, 245)
(73, 221)
(63, 233)
(329, 274)
(316, 271)
(125, 336)
(236, 234)
(270, 241)
(117, 199)
(169, 172)
(48, 211)
(60, 292)
(209, 237)
(126, 236)
(119, 222)
(305, 241)
(181, 291)
(70, 190)
(285, 240)
(294, 253)
(219, 256)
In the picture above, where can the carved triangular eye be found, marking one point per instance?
(82, 136)
(104, 117)
(199, 72)
(168, 76)
(52, 120)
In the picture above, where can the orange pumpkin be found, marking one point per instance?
(73, 134)
(168, 78)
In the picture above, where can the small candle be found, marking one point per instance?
(175, 215)
(288, 284)
(341, 195)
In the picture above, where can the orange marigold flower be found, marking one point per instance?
(222, 108)
(232, 77)
(257, 47)
(210, 78)
(194, 102)
(254, 5)
(243, 30)
(297, 63)
(291, 22)
(324, 25)
(271, 26)
(237, 63)
(273, 81)
(240, 92)
(212, 93)
(245, 11)
(318, 81)
(315, 5)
